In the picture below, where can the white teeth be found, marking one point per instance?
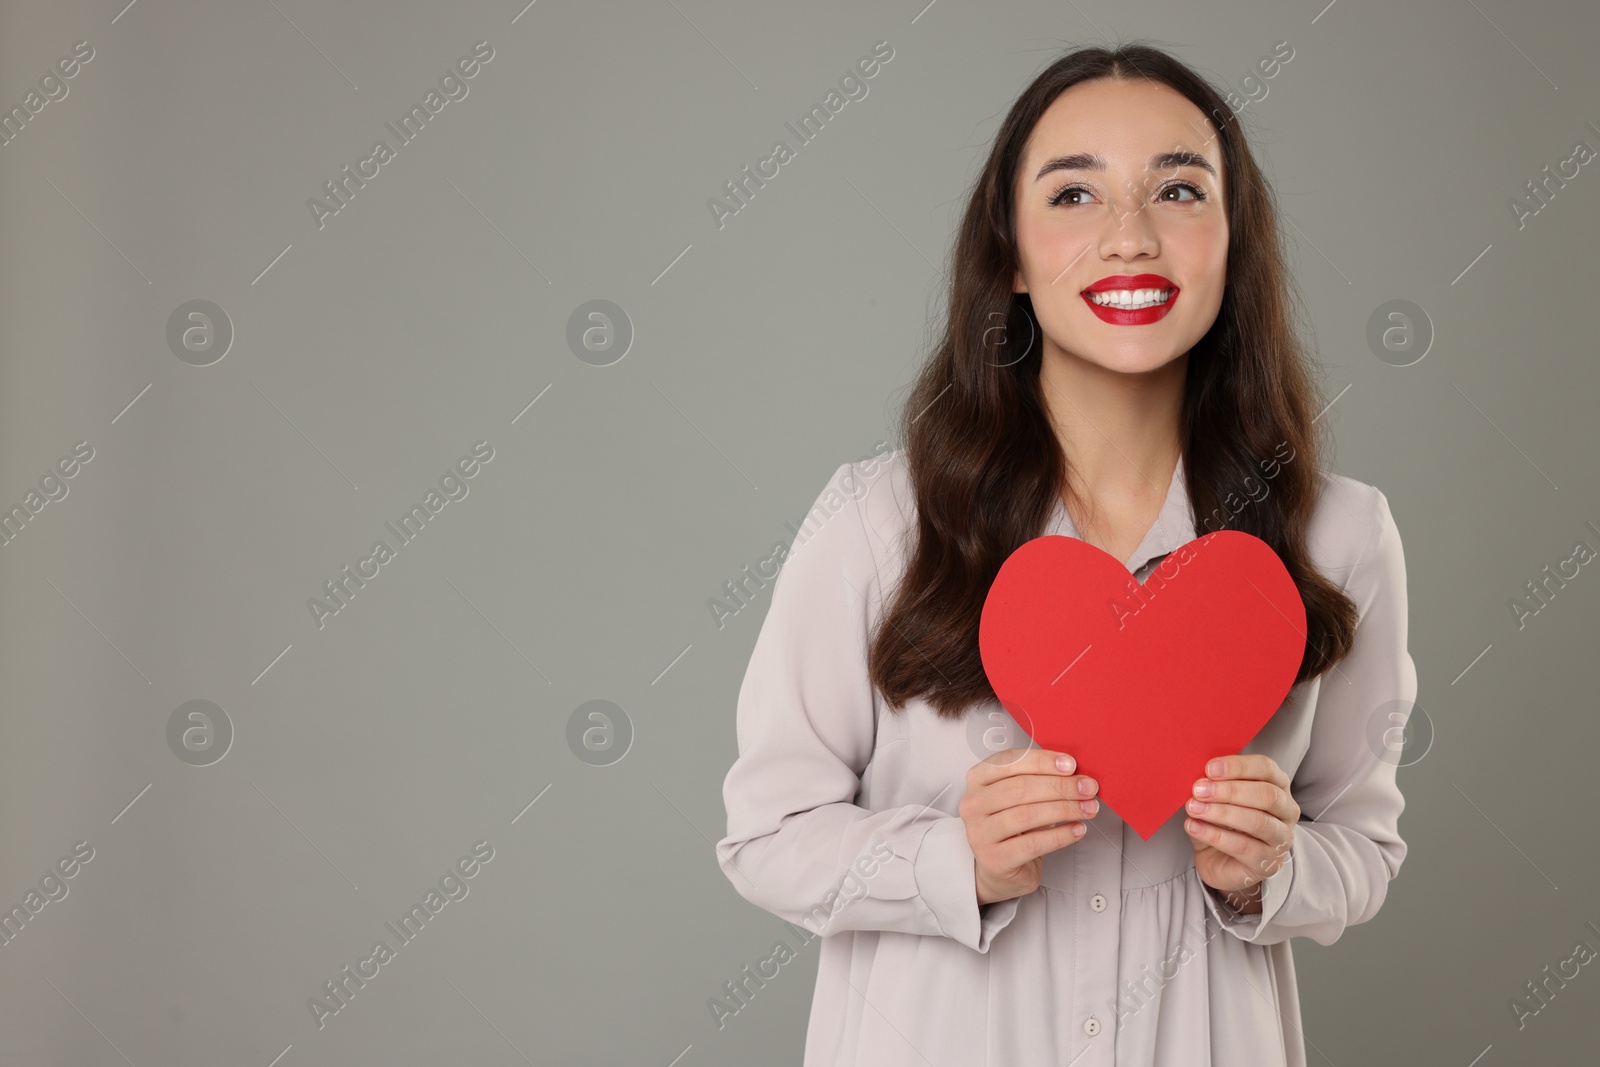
(1131, 299)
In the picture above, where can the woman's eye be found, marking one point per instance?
(1198, 193)
(1061, 195)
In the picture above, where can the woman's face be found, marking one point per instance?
(1114, 185)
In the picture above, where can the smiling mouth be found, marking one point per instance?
(1141, 306)
(1129, 299)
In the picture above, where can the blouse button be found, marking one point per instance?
(1091, 1026)
(1097, 903)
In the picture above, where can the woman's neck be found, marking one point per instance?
(1120, 434)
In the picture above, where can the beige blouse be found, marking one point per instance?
(842, 819)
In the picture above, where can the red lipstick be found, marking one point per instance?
(1119, 316)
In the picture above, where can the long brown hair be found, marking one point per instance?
(986, 466)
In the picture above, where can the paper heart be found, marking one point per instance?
(1143, 684)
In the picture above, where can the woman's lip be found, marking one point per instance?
(1132, 281)
(1117, 316)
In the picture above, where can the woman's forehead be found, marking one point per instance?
(1132, 119)
(1119, 126)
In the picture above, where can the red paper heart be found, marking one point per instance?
(1143, 684)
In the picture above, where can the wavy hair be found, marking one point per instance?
(985, 464)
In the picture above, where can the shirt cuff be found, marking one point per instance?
(1248, 927)
(945, 872)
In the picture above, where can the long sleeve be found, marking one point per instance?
(1347, 844)
(797, 844)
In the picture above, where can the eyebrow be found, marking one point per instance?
(1159, 161)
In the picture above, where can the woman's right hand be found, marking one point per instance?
(1020, 804)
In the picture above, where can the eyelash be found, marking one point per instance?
(1060, 194)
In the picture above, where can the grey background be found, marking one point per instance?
(370, 754)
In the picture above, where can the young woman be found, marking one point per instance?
(1119, 366)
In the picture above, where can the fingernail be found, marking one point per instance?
(1215, 768)
(1078, 828)
(1090, 807)
(1198, 806)
(1204, 789)
(1087, 786)
(1065, 763)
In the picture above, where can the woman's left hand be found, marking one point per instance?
(1243, 830)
